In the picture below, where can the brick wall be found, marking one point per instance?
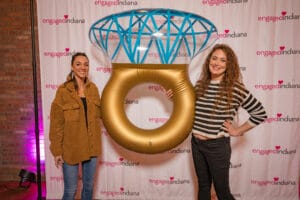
(17, 119)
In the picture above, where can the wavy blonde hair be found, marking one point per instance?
(231, 76)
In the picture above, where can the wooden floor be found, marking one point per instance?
(12, 191)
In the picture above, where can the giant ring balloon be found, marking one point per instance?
(128, 38)
(148, 141)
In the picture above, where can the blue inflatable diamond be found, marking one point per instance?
(132, 36)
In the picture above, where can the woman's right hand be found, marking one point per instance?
(169, 93)
(58, 161)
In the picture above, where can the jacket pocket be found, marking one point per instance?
(97, 108)
(71, 112)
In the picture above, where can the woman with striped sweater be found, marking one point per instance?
(219, 94)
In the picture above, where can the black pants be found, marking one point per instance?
(212, 162)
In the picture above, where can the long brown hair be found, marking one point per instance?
(231, 76)
(70, 76)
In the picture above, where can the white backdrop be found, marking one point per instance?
(265, 36)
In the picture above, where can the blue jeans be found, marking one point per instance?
(70, 173)
(212, 162)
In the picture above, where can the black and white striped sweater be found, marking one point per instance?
(210, 116)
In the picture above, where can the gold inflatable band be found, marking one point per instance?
(150, 141)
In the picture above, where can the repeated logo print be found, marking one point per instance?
(280, 117)
(104, 69)
(51, 86)
(281, 51)
(275, 181)
(120, 162)
(222, 2)
(227, 33)
(65, 19)
(58, 54)
(283, 16)
(120, 193)
(281, 84)
(180, 150)
(277, 150)
(111, 3)
(169, 181)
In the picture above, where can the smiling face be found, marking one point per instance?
(217, 64)
(80, 67)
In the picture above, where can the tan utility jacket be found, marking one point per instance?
(69, 135)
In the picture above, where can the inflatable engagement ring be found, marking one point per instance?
(136, 35)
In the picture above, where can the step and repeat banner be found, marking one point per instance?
(265, 37)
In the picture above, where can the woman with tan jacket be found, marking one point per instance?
(75, 128)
